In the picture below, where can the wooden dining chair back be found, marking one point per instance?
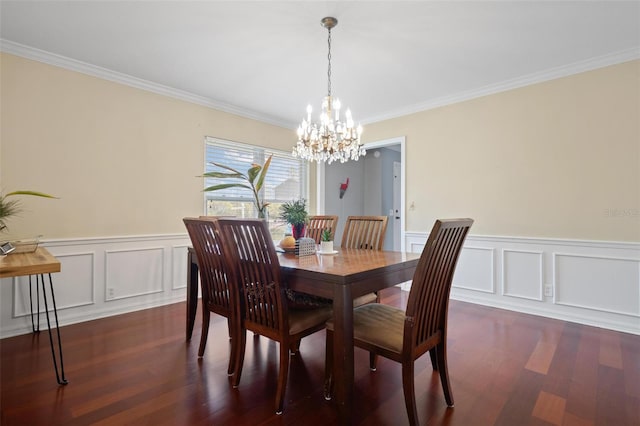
(405, 335)
(250, 254)
(317, 224)
(213, 278)
(364, 232)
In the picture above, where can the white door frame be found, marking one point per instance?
(397, 207)
(398, 140)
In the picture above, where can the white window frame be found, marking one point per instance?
(260, 154)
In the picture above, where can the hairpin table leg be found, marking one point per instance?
(59, 375)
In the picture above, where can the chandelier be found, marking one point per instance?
(331, 139)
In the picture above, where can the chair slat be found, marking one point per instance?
(364, 232)
(317, 224)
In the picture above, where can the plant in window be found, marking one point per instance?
(254, 179)
(11, 207)
(295, 214)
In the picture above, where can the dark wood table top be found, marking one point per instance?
(347, 262)
(362, 269)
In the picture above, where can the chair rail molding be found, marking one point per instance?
(594, 283)
(102, 277)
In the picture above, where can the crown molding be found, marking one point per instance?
(49, 58)
(527, 80)
(121, 78)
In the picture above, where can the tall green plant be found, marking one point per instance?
(10, 207)
(254, 179)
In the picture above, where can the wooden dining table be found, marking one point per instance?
(342, 277)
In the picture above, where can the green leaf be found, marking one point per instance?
(222, 175)
(253, 172)
(226, 185)
(34, 193)
(227, 168)
(264, 173)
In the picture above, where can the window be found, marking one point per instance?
(286, 180)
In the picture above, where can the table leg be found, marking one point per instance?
(343, 352)
(35, 325)
(60, 377)
(192, 291)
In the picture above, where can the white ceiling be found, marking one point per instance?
(268, 60)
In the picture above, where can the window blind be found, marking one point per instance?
(286, 179)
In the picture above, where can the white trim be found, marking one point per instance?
(320, 188)
(175, 262)
(556, 282)
(121, 78)
(492, 270)
(505, 291)
(127, 80)
(398, 140)
(620, 310)
(514, 83)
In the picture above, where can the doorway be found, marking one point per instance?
(363, 193)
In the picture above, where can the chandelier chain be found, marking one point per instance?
(329, 60)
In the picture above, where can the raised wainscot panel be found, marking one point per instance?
(74, 285)
(602, 283)
(179, 269)
(133, 272)
(475, 270)
(522, 274)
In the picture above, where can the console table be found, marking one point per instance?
(38, 263)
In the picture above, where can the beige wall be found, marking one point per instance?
(123, 161)
(559, 159)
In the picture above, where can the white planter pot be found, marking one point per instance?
(326, 246)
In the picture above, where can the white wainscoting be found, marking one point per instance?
(101, 277)
(590, 282)
(593, 283)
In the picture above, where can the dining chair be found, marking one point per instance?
(216, 296)
(364, 232)
(405, 335)
(251, 258)
(317, 224)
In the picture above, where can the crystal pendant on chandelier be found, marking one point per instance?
(332, 139)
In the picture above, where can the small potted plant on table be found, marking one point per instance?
(326, 241)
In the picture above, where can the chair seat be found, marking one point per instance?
(300, 320)
(378, 324)
(363, 300)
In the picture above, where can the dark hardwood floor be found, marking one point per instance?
(506, 369)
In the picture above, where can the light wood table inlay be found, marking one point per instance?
(38, 262)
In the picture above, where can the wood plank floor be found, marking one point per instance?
(506, 369)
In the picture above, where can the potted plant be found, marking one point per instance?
(254, 179)
(326, 241)
(10, 207)
(295, 214)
